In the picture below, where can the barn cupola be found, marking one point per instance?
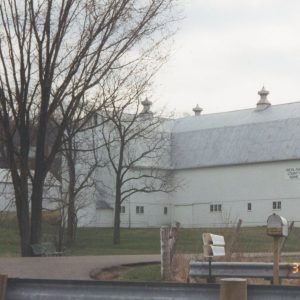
(197, 110)
(146, 107)
(263, 102)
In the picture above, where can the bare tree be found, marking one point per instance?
(81, 155)
(53, 56)
(137, 147)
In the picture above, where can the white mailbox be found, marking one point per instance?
(213, 245)
(277, 226)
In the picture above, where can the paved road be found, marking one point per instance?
(65, 267)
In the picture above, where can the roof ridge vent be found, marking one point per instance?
(263, 102)
(197, 110)
(146, 107)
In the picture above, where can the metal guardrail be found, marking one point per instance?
(243, 269)
(31, 289)
(26, 289)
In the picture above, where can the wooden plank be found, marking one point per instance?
(165, 253)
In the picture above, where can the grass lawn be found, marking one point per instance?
(98, 241)
(9, 240)
(142, 273)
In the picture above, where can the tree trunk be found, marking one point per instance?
(22, 207)
(36, 208)
(72, 217)
(18, 165)
(117, 222)
(116, 238)
(23, 224)
(60, 234)
(40, 163)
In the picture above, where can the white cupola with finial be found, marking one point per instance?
(146, 107)
(263, 102)
(197, 110)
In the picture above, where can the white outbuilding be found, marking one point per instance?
(51, 192)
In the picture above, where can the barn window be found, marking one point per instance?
(165, 210)
(276, 204)
(215, 207)
(139, 209)
(249, 206)
(122, 209)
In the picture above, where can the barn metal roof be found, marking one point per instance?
(237, 137)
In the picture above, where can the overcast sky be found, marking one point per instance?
(226, 50)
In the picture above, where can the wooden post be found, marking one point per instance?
(173, 240)
(233, 289)
(276, 260)
(3, 283)
(165, 253)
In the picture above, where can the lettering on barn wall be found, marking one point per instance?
(292, 173)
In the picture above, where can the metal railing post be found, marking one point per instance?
(276, 258)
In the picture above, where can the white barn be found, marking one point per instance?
(239, 164)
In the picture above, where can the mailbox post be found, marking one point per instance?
(213, 245)
(277, 227)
